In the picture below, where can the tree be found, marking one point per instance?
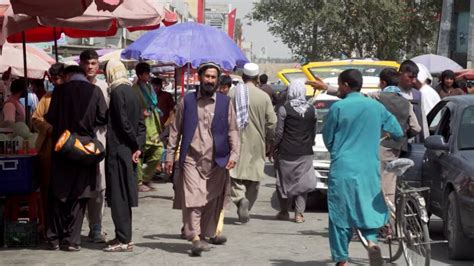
(321, 29)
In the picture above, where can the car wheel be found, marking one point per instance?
(459, 246)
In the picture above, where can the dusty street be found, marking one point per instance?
(263, 241)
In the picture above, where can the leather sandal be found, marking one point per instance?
(218, 240)
(197, 248)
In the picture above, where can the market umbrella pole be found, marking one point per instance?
(25, 70)
(175, 86)
(55, 45)
(188, 72)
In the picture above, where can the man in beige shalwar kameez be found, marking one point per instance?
(256, 120)
(206, 130)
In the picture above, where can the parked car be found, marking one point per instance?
(446, 164)
(288, 75)
(330, 70)
(322, 158)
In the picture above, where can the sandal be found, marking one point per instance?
(299, 218)
(283, 215)
(375, 255)
(70, 248)
(149, 184)
(112, 242)
(119, 247)
(143, 188)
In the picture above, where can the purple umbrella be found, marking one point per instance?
(187, 43)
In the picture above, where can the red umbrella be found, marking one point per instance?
(60, 8)
(142, 15)
(139, 15)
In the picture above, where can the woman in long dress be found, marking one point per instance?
(294, 139)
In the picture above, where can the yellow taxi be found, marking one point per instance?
(288, 75)
(330, 70)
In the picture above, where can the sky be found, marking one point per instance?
(257, 33)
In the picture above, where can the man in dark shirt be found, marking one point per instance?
(165, 100)
(265, 87)
(78, 106)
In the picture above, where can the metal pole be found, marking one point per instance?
(189, 74)
(25, 74)
(175, 86)
(124, 36)
(55, 45)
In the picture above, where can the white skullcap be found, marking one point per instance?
(251, 69)
(423, 73)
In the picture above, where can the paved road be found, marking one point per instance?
(263, 241)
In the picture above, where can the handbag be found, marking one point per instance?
(72, 148)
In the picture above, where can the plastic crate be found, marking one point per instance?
(21, 233)
(24, 206)
(17, 175)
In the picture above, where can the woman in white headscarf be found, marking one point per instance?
(125, 141)
(294, 140)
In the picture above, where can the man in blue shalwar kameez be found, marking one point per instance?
(352, 135)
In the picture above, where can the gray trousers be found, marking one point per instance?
(300, 202)
(241, 189)
(389, 180)
(95, 211)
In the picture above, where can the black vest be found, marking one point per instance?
(298, 133)
(399, 107)
(219, 127)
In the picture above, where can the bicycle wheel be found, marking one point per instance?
(413, 225)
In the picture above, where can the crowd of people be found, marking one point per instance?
(214, 144)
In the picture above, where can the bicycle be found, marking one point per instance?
(408, 218)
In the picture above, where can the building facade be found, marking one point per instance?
(456, 32)
(216, 15)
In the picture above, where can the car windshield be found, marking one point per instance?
(466, 130)
(322, 109)
(292, 76)
(334, 71)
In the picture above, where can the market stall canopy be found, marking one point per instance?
(12, 56)
(110, 55)
(100, 53)
(437, 63)
(61, 8)
(136, 15)
(31, 49)
(185, 43)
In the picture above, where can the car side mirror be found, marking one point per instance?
(436, 142)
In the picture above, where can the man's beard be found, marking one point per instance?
(208, 89)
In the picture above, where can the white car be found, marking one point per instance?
(322, 159)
